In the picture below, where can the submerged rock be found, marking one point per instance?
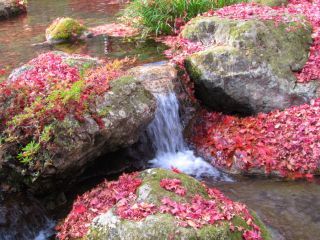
(82, 116)
(159, 204)
(9, 8)
(248, 65)
(65, 30)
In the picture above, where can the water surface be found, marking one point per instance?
(291, 209)
(18, 34)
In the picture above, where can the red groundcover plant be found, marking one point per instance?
(283, 142)
(121, 194)
(45, 93)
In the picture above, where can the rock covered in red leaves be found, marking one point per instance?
(9, 8)
(59, 112)
(285, 143)
(150, 205)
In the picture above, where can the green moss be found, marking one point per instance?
(237, 31)
(271, 3)
(65, 29)
(119, 83)
(283, 46)
(193, 70)
(151, 191)
(239, 222)
(82, 64)
(216, 232)
(156, 227)
(103, 112)
(265, 232)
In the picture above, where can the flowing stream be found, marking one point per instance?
(166, 135)
(291, 209)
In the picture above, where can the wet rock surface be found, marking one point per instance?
(293, 201)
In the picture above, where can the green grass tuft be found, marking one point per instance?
(158, 16)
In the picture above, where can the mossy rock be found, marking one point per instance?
(271, 3)
(244, 59)
(125, 110)
(163, 225)
(65, 30)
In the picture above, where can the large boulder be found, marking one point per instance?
(9, 8)
(65, 30)
(248, 65)
(77, 124)
(159, 204)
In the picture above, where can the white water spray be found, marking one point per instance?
(171, 151)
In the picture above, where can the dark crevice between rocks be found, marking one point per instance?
(221, 102)
(108, 166)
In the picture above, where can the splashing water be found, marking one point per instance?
(171, 151)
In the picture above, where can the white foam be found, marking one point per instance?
(171, 151)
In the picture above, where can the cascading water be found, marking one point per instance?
(171, 151)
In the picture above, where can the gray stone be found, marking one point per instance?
(248, 66)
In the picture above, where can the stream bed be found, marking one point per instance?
(290, 209)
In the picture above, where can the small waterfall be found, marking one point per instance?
(165, 133)
(166, 129)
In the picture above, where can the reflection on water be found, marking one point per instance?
(291, 209)
(18, 34)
